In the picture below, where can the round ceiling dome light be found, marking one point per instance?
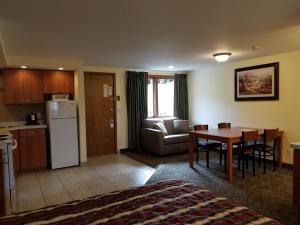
(222, 57)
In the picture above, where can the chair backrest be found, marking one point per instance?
(201, 127)
(271, 135)
(249, 138)
(224, 125)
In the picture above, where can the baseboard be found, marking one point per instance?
(287, 165)
(124, 150)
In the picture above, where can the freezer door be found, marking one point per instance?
(64, 142)
(61, 109)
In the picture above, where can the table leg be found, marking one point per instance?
(298, 214)
(191, 151)
(280, 143)
(229, 161)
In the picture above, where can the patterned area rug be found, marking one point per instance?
(269, 194)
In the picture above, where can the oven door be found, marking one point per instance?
(9, 178)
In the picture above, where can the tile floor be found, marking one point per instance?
(100, 175)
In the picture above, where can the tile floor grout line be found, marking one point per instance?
(44, 197)
(86, 183)
(64, 186)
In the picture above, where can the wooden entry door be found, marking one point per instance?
(100, 113)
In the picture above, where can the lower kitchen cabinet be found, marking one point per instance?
(2, 206)
(33, 149)
(31, 152)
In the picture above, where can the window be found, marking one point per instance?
(160, 96)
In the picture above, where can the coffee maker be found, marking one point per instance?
(32, 119)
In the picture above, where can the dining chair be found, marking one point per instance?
(270, 137)
(204, 145)
(247, 149)
(223, 146)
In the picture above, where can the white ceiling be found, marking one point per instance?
(146, 34)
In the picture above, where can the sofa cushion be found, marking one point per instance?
(148, 123)
(181, 126)
(176, 138)
(169, 125)
(160, 126)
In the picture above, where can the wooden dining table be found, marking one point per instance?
(229, 136)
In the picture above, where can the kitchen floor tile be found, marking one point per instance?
(99, 175)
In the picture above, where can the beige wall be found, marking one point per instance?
(211, 98)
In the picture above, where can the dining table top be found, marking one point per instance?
(233, 132)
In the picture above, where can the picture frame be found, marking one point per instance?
(257, 83)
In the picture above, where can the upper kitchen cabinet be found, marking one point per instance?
(23, 86)
(58, 82)
(13, 86)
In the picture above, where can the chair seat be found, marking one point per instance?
(261, 147)
(247, 151)
(208, 144)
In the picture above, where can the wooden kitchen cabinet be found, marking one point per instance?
(32, 149)
(33, 86)
(23, 86)
(2, 204)
(16, 152)
(13, 86)
(58, 82)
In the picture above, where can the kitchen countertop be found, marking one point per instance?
(20, 125)
(295, 145)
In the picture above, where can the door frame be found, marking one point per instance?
(114, 102)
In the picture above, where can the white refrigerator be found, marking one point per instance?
(62, 125)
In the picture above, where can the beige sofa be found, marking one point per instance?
(155, 141)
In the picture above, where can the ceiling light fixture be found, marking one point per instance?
(171, 67)
(60, 68)
(222, 57)
(23, 67)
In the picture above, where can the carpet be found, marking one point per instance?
(270, 193)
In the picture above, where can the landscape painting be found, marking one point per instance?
(257, 82)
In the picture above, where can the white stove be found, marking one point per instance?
(7, 145)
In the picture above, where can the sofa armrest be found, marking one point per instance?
(152, 140)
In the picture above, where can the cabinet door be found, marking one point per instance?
(13, 86)
(296, 177)
(58, 82)
(33, 86)
(2, 204)
(32, 149)
(16, 152)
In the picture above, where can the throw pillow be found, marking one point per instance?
(160, 126)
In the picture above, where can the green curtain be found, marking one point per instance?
(181, 106)
(137, 84)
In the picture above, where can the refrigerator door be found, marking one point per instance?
(64, 142)
(61, 109)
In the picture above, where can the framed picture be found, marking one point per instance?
(257, 82)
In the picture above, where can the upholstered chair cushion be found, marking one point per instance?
(160, 126)
(181, 126)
